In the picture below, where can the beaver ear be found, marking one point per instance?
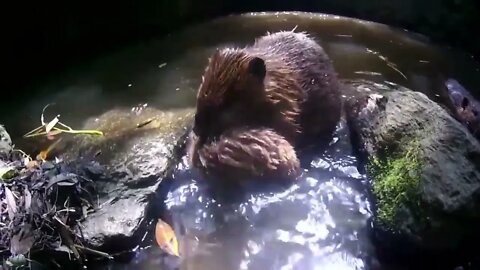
(256, 67)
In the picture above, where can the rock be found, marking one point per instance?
(424, 166)
(134, 161)
(5, 142)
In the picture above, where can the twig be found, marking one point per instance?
(68, 210)
(71, 131)
(48, 128)
(146, 122)
(64, 233)
(97, 252)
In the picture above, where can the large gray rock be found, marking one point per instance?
(5, 142)
(134, 162)
(423, 164)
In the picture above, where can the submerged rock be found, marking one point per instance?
(136, 152)
(424, 166)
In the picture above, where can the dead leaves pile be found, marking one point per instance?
(42, 204)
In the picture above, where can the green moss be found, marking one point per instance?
(396, 182)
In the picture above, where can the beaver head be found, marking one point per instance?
(231, 93)
(470, 115)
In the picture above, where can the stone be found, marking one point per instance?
(136, 152)
(424, 166)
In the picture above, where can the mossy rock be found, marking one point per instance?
(397, 183)
(423, 165)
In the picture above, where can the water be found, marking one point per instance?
(322, 221)
(318, 223)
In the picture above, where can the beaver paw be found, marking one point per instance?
(242, 154)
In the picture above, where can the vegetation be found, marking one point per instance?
(396, 182)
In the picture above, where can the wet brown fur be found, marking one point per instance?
(296, 101)
(250, 153)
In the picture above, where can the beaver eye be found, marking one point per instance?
(256, 67)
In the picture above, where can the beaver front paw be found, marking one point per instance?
(247, 154)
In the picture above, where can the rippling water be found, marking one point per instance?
(317, 223)
(320, 222)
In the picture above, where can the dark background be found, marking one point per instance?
(45, 37)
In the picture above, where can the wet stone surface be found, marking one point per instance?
(440, 184)
(133, 162)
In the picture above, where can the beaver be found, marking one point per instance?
(467, 108)
(283, 88)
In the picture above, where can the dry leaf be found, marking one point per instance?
(11, 204)
(166, 239)
(51, 124)
(28, 198)
(32, 164)
(26, 160)
(22, 242)
(42, 155)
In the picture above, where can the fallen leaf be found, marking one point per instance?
(47, 165)
(26, 160)
(22, 242)
(32, 164)
(64, 248)
(70, 177)
(11, 204)
(166, 239)
(28, 198)
(51, 124)
(6, 173)
(17, 262)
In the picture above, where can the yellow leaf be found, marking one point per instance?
(166, 239)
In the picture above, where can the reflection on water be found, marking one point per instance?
(318, 223)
